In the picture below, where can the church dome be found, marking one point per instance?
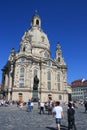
(38, 38)
(35, 35)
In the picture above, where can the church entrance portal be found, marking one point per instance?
(20, 97)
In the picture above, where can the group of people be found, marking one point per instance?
(59, 115)
(57, 111)
(47, 106)
(29, 105)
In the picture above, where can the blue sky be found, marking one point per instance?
(63, 21)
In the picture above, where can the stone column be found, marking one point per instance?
(6, 86)
(6, 81)
(10, 83)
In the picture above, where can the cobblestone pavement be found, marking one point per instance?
(12, 118)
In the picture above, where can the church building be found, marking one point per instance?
(31, 73)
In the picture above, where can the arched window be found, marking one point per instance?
(58, 59)
(21, 82)
(49, 80)
(24, 49)
(37, 22)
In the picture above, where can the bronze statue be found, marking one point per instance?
(36, 82)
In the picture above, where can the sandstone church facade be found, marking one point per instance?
(33, 59)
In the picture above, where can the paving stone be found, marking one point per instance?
(13, 118)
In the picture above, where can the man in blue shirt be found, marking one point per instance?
(29, 106)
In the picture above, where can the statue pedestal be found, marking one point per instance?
(35, 96)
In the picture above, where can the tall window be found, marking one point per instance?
(58, 59)
(49, 80)
(21, 82)
(49, 63)
(58, 81)
(24, 49)
(35, 72)
(60, 97)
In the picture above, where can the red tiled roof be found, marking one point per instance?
(79, 82)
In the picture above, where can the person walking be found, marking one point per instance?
(41, 107)
(29, 106)
(59, 114)
(71, 118)
(32, 106)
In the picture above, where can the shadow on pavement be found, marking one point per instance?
(62, 128)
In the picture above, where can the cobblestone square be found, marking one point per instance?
(13, 118)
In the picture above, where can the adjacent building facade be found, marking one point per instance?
(33, 60)
(79, 90)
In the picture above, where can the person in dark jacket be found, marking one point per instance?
(85, 104)
(71, 117)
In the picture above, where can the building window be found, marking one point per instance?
(58, 77)
(37, 22)
(22, 72)
(46, 55)
(35, 72)
(60, 97)
(58, 81)
(24, 49)
(49, 63)
(58, 86)
(22, 59)
(21, 81)
(49, 80)
(58, 59)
